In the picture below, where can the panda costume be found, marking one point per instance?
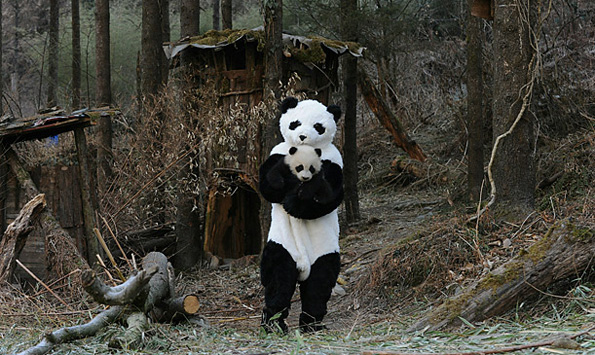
(303, 240)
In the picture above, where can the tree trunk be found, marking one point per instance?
(76, 55)
(189, 18)
(53, 53)
(514, 159)
(563, 253)
(382, 111)
(190, 242)
(165, 37)
(104, 93)
(86, 193)
(273, 61)
(226, 11)
(475, 95)
(151, 66)
(350, 173)
(15, 237)
(1, 89)
(216, 10)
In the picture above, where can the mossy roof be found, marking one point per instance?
(303, 48)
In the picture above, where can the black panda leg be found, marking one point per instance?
(278, 275)
(316, 290)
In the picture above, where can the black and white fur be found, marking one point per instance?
(304, 229)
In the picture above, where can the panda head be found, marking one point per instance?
(308, 122)
(304, 161)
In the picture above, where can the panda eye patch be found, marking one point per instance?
(295, 124)
(299, 168)
(312, 170)
(319, 128)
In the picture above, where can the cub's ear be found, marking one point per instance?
(336, 111)
(318, 151)
(288, 103)
(292, 150)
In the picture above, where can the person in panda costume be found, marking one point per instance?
(303, 240)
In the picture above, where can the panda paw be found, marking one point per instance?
(275, 179)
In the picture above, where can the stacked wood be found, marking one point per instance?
(149, 291)
(566, 251)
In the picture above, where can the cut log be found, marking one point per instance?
(16, 234)
(177, 309)
(387, 118)
(564, 252)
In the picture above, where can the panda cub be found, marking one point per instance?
(304, 163)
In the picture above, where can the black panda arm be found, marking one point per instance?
(314, 206)
(275, 179)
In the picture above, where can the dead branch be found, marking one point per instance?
(151, 291)
(387, 118)
(565, 251)
(560, 342)
(16, 234)
(68, 334)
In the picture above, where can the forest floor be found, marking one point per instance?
(372, 310)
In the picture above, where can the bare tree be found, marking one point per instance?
(350, 175)
(53, 53)
(226, 10)
(513, 157)
(189, 245)
(76, 54)
(273, 53)
(216, 10)
(152, 68)
(189, 17)
(104, 92)
(474, 106)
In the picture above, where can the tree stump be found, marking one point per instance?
(564, 252)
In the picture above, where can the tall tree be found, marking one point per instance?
(76, 54)
(474, 106)
(226, 11)
(1, 81)
(273, 57)
(189, 17)
(513, 166)
(53, 52)
(216, 10)
(189, 245)
(152, 56)
(349, 33)
(104, 92)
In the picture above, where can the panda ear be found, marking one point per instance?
(336, 111)
(288, 103)
(292, 150)
(318, 151)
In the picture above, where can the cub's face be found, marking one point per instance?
(308, 122)
(304, 161)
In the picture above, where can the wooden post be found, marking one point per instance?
(84, 180)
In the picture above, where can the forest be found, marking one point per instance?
(133, 133)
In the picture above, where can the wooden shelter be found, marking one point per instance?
(59, 182)
(232, 61)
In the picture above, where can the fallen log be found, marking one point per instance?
(152, 290)
(16, 233)
(387, 118)
(564, 252)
